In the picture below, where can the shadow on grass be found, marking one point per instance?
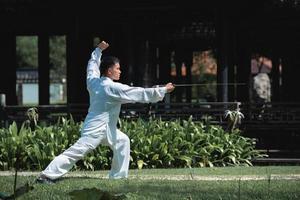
(161, 189)
(95, 194)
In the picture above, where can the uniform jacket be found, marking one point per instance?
(106, 98)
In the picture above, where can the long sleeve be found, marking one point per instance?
(92, 71)
(126, 94)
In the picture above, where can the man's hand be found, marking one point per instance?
(103, 45)
(170, 87)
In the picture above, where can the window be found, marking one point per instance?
(27, 70)
(204, 73)
(58, 70)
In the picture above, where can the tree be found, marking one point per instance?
(57, 57)
(27, 51)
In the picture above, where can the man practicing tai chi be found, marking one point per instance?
(100, 124)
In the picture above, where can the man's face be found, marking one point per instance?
(114, 72)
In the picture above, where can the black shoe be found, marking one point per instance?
(44, 180)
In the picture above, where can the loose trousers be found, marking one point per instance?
(66, 160)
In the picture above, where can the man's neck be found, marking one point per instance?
(105, 76)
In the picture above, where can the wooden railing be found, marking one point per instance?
(275, 125)
(271, 114)
(168, 111)
(165, 111)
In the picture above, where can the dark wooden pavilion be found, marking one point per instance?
(136, 30)
(144, 33)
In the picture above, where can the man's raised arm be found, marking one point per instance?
(94, 62)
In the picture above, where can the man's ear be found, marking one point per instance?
(109, 71)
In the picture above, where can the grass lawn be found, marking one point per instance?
(137, 188)
(214, 171)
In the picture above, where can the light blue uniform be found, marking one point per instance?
(100, 125)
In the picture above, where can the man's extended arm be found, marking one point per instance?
(126, 94)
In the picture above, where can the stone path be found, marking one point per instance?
(172, 177)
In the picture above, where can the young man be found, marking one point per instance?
(100, 125)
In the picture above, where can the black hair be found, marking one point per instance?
(107, 62)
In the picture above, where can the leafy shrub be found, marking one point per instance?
(184, 143)
(154, 144)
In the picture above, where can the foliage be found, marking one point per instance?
(184, 143)
(27, 54)
(154, 144)
(33, 116)
(57, 56)
(234, 118)
(204, 70)
(37, 147)
(27, 51)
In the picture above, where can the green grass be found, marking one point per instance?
(223, 171)
(216, 171)
(136, 188)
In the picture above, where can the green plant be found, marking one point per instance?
(184, 143)
(234, 118)
(32, 114)
(154, 144)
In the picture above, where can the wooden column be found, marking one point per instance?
(164, 63)
(8, 67)
(243, 68)
(275, 75)
(290, 76)
(44, 69)
(184, 55)
(144, 49)
(130, 56)
(287, 64)
(114, 35)
(188, 64)
(222, 30)
(147, 80)
(178, 79)
(79, 49)
(232, 63)
(135, 56)
(140, 61)
(126, 54)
